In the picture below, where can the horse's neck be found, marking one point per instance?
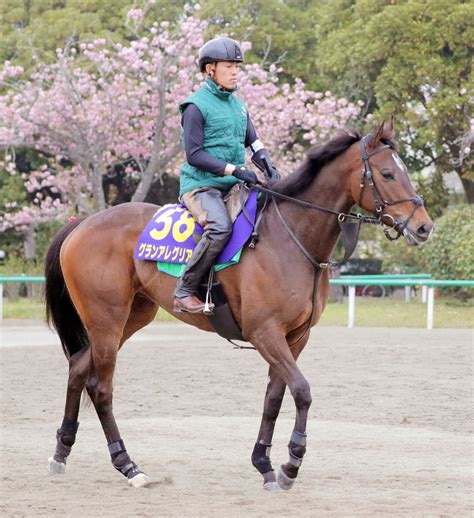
(318, 231)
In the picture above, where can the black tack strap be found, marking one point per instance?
(294, 460)
(261, 457)
(298, 438)
(116, 447)
(126, 469)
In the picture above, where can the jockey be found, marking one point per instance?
(216, 129)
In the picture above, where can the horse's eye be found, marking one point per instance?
(388, 175)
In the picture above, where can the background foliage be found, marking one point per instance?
(449, 256)
(408, 58)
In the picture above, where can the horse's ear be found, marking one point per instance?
(378, 135)
(391, 125)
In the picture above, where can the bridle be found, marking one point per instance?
(379, 202)
(345, 220)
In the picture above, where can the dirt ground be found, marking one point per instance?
(389, 434)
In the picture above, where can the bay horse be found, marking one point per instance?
(98, 296)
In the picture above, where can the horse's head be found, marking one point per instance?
(382, 187)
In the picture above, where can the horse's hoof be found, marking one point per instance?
(56, 467)
(272, 486)
(284, 481)
(139, 480)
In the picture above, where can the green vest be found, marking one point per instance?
(225, 127)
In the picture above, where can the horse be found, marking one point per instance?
(98, 295)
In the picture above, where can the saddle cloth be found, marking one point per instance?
(172, 234)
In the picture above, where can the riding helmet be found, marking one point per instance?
(220, 49)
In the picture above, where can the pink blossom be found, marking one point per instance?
(114, 109)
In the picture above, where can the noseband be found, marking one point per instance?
(380, 204)
(379, 201)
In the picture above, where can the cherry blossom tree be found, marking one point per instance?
(104, 105)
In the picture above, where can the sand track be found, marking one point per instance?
(390, 429)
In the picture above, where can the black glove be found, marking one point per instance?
(274, 173)
(248, 176)
(262, 160)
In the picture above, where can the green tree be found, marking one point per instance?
(281, 32)
(50, 24)
(12, 191)
(411, 59)
(449, 255)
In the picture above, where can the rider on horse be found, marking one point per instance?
(216, 129)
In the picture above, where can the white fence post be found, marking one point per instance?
(424, 293)
(407, 293)
(351, 309)
(430, 308)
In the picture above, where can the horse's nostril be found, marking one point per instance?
(423, 230)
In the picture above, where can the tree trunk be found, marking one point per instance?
(468, 189)
(154, 165)
(147, 178)
(30, 254)
(30, 243)
(97, 188)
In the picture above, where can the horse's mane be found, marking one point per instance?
(321, 154)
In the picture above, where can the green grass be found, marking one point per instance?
(369, 312)
(23, 308)
(389, 312)
(163, 316)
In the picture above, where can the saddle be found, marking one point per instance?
(171, 235)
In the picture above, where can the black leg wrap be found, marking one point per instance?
(65, 438)
(121, 461)
(261, 458)
(296, 451)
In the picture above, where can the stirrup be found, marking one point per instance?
(208, 304)
(208, 308)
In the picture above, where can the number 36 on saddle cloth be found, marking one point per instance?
(171, 235)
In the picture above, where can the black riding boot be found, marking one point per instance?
(217, 231)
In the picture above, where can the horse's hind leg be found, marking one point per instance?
(105, 346)
(143, 312)
(79, 365)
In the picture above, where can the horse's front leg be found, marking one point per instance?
(271, 408)
(283, 371)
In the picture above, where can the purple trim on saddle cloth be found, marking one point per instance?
(172, 234)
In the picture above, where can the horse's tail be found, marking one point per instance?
(60, 311)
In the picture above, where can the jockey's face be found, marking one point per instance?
(224, 73)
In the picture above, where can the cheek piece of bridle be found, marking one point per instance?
(348, 223)
(387, 221)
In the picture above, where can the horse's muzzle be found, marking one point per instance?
(419, 235)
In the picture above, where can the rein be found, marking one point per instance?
(350, 236)
(380, 202)
(342, 216)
